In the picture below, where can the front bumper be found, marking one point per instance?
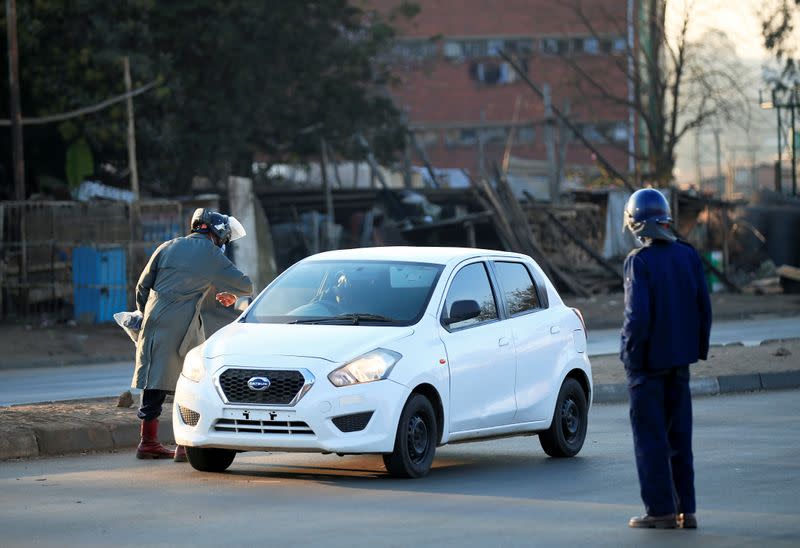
(250, 427)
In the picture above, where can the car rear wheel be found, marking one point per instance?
(210, 459)
(415, 442)
(567, 432)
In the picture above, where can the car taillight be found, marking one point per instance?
(580, 317)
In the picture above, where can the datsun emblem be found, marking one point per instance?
(258, 384)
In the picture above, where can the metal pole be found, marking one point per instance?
(719, 162)
(793, 104)
(778, 166)
(18, 155)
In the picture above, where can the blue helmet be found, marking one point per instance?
(647, 215)
(225, 227)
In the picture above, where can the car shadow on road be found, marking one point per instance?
(522, 475)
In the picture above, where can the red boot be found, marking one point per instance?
(180, 454)
(150, 447)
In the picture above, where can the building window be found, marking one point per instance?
(555, 46)
(619, 45)
(493, 73)
(427, 138)
(413, 50)
(525, 135)
(591, 46)
(619, 132)
(486, 48)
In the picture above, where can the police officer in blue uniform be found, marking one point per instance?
(666, 328)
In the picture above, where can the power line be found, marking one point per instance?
(81, 111)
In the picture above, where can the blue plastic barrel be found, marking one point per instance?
(99, 279)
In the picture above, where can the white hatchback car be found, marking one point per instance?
(392, 351)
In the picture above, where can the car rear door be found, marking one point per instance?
(538, 338)
(480, 354)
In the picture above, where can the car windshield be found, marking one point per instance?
(348, 293)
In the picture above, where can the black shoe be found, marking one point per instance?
(653, 522)
(687, 521)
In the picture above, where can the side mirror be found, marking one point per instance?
(242, 303)
(463, 310)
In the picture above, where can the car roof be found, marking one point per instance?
(433, 255)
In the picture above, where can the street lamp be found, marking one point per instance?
(788, 101)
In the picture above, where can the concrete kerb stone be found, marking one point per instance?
(18, 443)
(780, 380)
(739, 383)
(87, 436)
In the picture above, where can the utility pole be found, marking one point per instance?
(550, 144)
(719, 184)
(18, 155)
(131, 132)
(327, 192)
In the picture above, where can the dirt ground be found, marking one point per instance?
(23, 345)
(770, 357)
(605, 311)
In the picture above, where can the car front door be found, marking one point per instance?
(538, 339)
(480, 353)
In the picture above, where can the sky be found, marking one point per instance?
(739, 19)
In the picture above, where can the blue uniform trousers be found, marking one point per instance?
(661, 419)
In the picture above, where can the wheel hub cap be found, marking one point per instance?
(570, 418)
(417, 438)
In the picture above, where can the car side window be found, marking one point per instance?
(519, 290)
(471, 283)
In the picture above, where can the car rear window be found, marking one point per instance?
(519, 290)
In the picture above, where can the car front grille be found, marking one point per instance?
(288, 428)
(283, 388)
(190, 417)
(352, 423)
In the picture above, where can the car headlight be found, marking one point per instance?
(372, 366)
(193, 368)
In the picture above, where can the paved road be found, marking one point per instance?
(748, 332)
(497, 493)
(110, 379)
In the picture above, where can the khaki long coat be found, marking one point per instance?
(170, 292)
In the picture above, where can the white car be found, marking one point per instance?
(391, 351)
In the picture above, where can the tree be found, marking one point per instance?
(778, 27)
(236, 78)
(672, 85)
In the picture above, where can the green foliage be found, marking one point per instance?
(80, 162)
(237, 77)
(779, 29)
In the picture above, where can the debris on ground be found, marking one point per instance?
(125, 399)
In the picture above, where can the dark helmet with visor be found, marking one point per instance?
(224, 227)
(647, 215)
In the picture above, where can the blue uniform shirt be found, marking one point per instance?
(667, 308)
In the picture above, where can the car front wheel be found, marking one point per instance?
(210, 459)
(567, 432)
(415, 442)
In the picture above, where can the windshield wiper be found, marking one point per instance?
(355, 318)
(362, 316)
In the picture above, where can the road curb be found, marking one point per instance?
(711, 386)
(83, 436)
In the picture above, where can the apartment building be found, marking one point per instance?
(468, 108)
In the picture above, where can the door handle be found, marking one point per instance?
(555, 330)
(503, 341)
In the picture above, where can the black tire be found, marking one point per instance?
(567, 432)
(210, 459)
(415, 441)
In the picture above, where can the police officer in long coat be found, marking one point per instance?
(170, 292)
(666, 328)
